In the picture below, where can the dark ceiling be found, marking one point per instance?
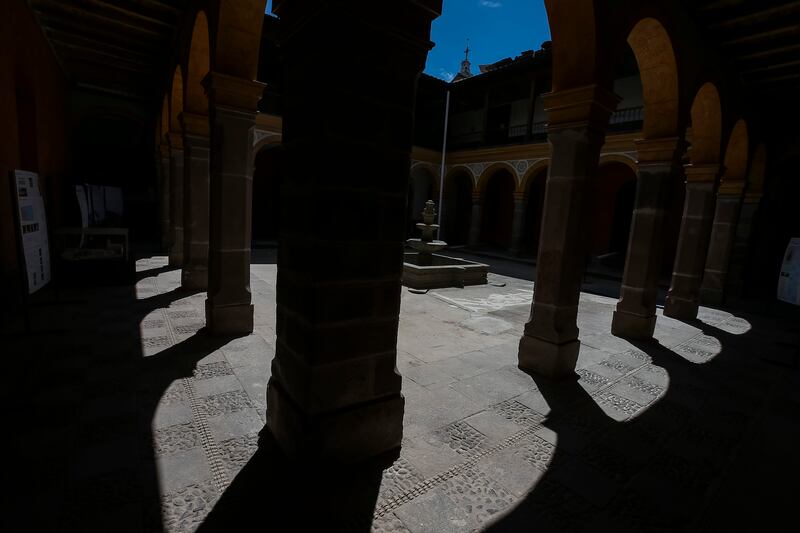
(760, 37)
(112, 46)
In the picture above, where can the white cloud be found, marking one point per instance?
(489, 3)
(446, 75)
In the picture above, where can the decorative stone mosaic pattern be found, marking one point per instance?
(481, 497)
(516, 412)
(462, 437)
(237, 451)
(624, 405)
(212, 370)
(177, 438)
(184, 510)
(398, 478)
(591, 378)
(539, 453)
(227, 402)
(643, 386)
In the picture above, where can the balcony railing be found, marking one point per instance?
(628, 115)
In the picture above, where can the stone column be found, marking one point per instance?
(518, 224)
(698, 214)
(176, 199)
(635, 316)
(576, 133)
(232, 110)
(741, 242)
(195, 201)
(723, 233)
(476, 220)
(164, 196)
(334, 394)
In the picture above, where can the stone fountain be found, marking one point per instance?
(425, 269)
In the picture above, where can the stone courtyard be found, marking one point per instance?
(128, 417)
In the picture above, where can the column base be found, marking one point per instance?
(681, 308)
(555, 361)
(229, 319)
(714, 297)
(175, 259)
(632, 326)
(194, 279)
(348, 435)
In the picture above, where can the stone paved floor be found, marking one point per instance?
(124, 418)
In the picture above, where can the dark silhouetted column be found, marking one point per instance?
(232, 110)
(334, 393)
(723, 234)
(195, 201)
(635, 316)
(683, 298)
(476, 220)
(518, 224)
(576, 133)
(164, 206)
(176, 199)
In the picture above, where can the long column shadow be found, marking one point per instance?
(667, 468)
(80, 404)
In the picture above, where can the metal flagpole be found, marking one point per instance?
(444, 154)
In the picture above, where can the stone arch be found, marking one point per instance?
(458, 169)
(533, 172)
(264, 140)
(578, 57)
(493, 169)
(736, 153)
(198, 65)
(238, 37)
(652, 47)
(706, 115)
(628, 161)
(176, 101)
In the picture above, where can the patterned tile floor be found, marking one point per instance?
(125, 418)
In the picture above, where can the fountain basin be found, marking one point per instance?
(434, 271)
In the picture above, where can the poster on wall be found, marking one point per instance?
(32, 228)
(789, 281)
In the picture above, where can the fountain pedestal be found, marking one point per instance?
(425, 269)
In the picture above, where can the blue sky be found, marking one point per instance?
(495, 28)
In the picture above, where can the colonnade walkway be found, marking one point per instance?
(125, 416)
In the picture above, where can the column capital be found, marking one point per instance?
(733, 188)
(233, 91)
(477, 197)
(195, 124)
(163, 149)
(753, 197)
(702, 172)
(175, 140)
(650, 151)
(520, 196)
(582, 107)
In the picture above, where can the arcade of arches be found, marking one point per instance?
(699, 197)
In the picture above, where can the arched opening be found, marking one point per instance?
(658, 70)
(498, 209)
(736, 154)
(421, 188)
(612, 195)
(533, 212)
(457, 208)
(198, 66)
(706, 126)
(267, 175)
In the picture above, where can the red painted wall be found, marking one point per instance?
(33, 121)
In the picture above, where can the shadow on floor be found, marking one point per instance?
(80, 402)
(693, 460)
